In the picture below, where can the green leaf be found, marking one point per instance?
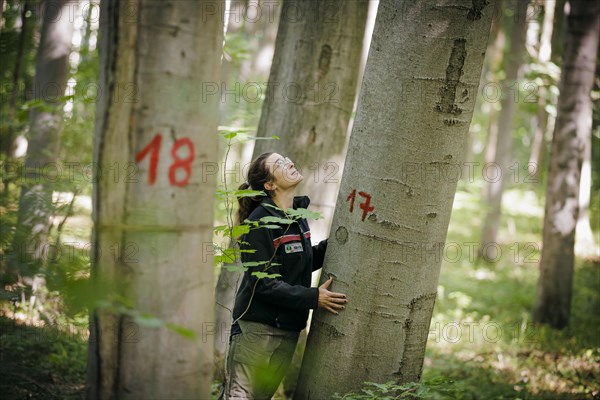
(220, 228)
(148, 320)
(261, 275)
(183, 331)
(239, 230)
(303, 213)
(249, 193)
(251, 251)
(234, 268)
(254, 263)
(269, 219)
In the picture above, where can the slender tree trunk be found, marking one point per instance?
(541, 127)
(571, 137)
(8, 150)
(393, 209)
(498, 172)
(45, 123)
(558, 32)
(585, 245)
(152, 119)
(489, 103)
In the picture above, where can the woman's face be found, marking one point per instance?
(283, 171)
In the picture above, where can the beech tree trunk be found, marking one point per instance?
(572, 134)
(153, 200)
(45, 124)
(393, 209)
(498, 173)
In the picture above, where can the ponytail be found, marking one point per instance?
(246, 204)
(258, 175)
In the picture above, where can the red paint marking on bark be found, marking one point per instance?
(351, 199)
(178, 162)
(152, 147)
(366, 206)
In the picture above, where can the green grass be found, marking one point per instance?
(481, 335)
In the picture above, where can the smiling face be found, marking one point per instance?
(284, 172)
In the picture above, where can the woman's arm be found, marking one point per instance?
(273, 289)
(319, 254)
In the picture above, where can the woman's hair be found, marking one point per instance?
(258, 175)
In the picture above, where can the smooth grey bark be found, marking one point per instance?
(35, 213)
(572, 133)
(413, 115)
(154, 57)
(500, 172)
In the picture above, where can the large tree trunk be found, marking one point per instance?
(154, 58)
(45, 124)
(571, 136)
(500, 172)
(393, 209)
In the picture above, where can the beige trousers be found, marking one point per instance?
(257, 361)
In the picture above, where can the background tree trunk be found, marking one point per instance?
(45, 123)
(24, 35)
(328, 38)
(500, 173)
(154, 58)
(585, 246)
(392, 213)
(262, 29)
(309, 101)
(571, 137)
(542, 118)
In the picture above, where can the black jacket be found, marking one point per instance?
(284, 301)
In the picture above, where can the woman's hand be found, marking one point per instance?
(331, 301)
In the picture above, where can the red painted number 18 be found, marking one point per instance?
(154, 147)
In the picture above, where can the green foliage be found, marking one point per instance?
(435, 388)
(41, 361)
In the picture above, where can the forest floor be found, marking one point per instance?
(481, 342)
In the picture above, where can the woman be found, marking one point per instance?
(270, 312)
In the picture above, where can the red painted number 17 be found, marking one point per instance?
(366, 206)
